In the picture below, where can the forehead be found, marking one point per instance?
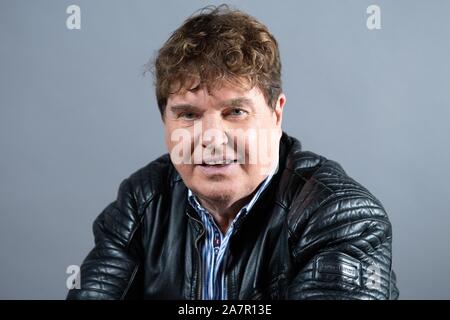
(197, 95)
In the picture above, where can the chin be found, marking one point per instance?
(216, 193)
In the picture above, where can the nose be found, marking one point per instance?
(213, 133)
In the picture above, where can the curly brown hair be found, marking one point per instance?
(216, 46)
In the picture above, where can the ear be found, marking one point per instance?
(279, 107)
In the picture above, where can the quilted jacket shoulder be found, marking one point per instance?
(340, 234)
(110, 269)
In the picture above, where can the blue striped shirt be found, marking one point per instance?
(214, 247)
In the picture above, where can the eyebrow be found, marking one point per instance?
(236, 102)
(182, 107)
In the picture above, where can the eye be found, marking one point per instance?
(188, 115)
(236, 112)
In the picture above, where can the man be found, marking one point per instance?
(236, 210)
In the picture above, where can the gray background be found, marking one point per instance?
(77, 117)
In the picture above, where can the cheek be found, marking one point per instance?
(185, 171)
(168, 141)
(250, 172)
(179, 144)
(262, 146)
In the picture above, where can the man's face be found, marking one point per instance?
(223, 143)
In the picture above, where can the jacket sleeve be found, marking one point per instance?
(112, 268)
(343, 248)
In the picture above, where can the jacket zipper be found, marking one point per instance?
(199, 268)
(199, 260)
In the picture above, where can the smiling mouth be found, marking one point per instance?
(218, 163)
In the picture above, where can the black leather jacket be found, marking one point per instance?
(314, 233)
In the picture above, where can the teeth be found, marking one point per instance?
(211, 163)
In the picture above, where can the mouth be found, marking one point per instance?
(218, 162)
(221, 167)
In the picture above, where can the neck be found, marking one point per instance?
(224, 212)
